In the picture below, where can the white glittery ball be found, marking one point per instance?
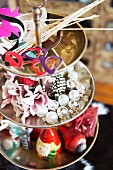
(74, 95)
(51, 117)
(73, 104)
(42, 111)
(73, 75)
(53, 105)
(63, 100)
(71, 84)
(62, 112)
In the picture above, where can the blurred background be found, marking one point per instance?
(99, 54)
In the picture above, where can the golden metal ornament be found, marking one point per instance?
(29, 159)
(36, 4)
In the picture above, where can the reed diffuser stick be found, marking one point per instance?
(69, 19)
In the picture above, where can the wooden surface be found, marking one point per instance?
(104, 93)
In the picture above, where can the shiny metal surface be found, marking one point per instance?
(29, 160)
(34, 121)
(71, 48)
(36, 3)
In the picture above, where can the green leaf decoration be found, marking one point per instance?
(51, 155)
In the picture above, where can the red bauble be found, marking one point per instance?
(27, 81)
(73, 140)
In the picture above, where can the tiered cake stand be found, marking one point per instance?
(28, 158)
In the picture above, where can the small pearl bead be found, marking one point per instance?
(51, 117)
(62, 112)
(63, 100)
(74, 95)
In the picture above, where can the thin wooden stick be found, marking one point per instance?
(58, 56)
(22, 47)
(90, 29)
(83, 19)
(78, 20)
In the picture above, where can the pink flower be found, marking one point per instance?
(8, 90)
(39, 98)
(23, 100)
(35, 104)
(10, 76)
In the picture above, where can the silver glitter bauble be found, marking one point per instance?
(73, 75)
(86, 80)
(71, 84)
(53, 105)
(63, 100)
(81, 105)
(73, 113)
(88, 93)
(81, 88)
(85, 98)
(74, 95)
(73, 104)
(62, 112)
(51, 117)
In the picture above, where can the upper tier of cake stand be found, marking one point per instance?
(71, 47)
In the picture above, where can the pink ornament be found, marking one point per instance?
(6, 28)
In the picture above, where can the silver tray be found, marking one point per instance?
(29, 160)
(34, 121)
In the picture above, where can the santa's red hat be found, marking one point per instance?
(49, 135)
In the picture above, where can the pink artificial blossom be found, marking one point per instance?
(24, 101)
(8, 90)
(39, 98)
(35, 103)
(10, 76)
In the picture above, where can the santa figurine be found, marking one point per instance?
(48, 145)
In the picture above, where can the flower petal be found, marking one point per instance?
(25, 115)
(38, 89)
(5, 102)
(29, 100)
(33, 110)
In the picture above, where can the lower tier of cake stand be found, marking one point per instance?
(28, 159)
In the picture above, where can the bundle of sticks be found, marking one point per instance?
(59, 24)
(51, 29)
